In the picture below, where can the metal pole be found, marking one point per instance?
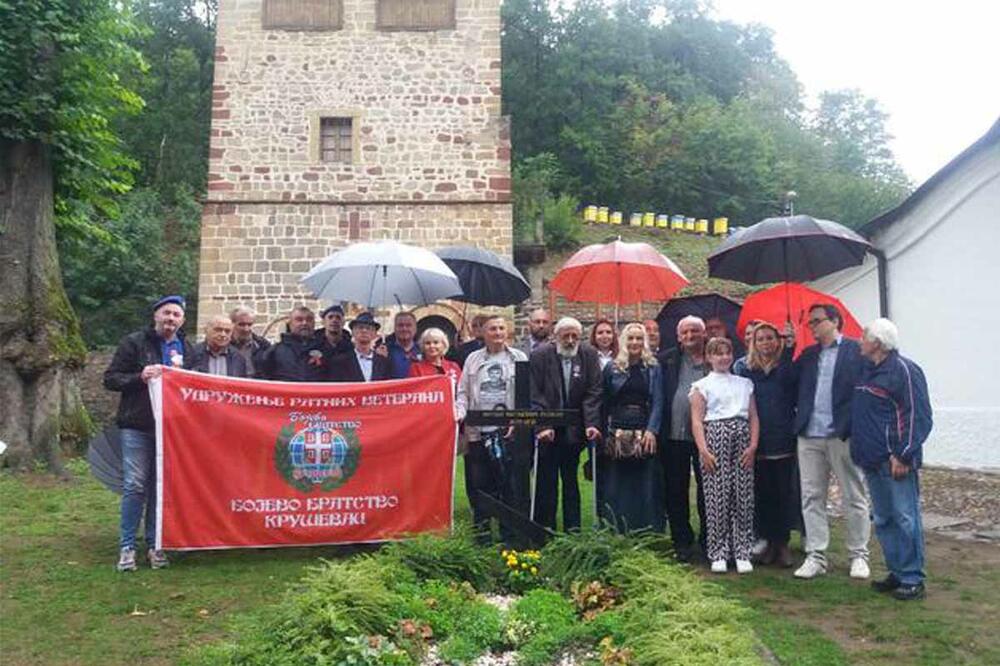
(534, 481)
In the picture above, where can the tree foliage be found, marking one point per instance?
(62, 70)
(653, 105)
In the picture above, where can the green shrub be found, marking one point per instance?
(587, 555)
(456, 558)
(551, 618)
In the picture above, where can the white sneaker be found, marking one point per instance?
(719, 566)
(126, 560)
(743, 566)
(859, 568)
(759, 547)
(810, 568)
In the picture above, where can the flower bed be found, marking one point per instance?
(594, 597)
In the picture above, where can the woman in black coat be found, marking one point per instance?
(769, 366)
(629, 478)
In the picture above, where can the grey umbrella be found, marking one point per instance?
(382, 273)
(104, 453)
(486, 278)
(787, 249)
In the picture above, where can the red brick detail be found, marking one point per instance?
(353, 225)
(225, 209)
(418, 196)
(262, 169)
(310, 176)
(503, 153)
(463, 101)
(221, 185)
(444, 138)
(220, 114)
(495, 64)
(445, 187)
(375, 171)
(500, 184)
(216, 153)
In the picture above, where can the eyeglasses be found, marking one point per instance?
(817, 322)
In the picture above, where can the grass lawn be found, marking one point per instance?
(63, 603)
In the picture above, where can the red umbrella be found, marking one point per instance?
(790, 302)
(618, 273)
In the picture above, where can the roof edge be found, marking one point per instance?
(888, 218)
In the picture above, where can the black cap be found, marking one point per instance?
(333, 308)
(365, 319)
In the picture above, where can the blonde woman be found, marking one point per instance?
(775, 388)
(630, 479)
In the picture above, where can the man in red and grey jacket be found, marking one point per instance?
(890, 420)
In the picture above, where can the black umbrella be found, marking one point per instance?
(706, 306)
(104, 453)
(486, 279)
(787, 249)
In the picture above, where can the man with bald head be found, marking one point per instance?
(539, 331)
(216, 356)
(680, 368)
(299, 356)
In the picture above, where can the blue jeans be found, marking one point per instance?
(896, 512)
(139, 487)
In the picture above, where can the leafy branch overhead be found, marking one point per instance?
(61, 82)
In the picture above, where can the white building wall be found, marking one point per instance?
(943, 276)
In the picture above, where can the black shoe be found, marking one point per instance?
(887, 584)
(684, 554)
(909, 592)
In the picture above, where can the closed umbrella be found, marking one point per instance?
(382, 273)
(790, 302)
(619, 273)
(486, 278)
(104, 453)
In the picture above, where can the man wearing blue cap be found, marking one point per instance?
(140, 357)
(363, 363)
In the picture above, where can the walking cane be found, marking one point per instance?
(534, 480)
(592, 445)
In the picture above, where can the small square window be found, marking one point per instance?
(336, 140)
(302, 14)
(415, 14)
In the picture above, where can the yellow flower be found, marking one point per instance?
(534, 570)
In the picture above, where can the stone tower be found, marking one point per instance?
(335, 121)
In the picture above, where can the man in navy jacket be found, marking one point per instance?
(890, 420)
(828, 372)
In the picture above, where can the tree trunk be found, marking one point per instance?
(41, 351)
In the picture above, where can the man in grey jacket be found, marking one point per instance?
(493, 462)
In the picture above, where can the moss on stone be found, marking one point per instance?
(75, 430)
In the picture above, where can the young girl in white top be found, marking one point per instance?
(725, 427)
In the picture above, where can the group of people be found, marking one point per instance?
(760, 433)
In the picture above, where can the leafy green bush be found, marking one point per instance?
(551, 618)
(588, 555)
(561, 222)
(456, 558)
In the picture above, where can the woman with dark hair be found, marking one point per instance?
(604, 340)
(725, 427)
(769, 366)
(629, 478)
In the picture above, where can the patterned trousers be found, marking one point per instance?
(728, 491)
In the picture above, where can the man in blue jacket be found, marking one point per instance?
(890, 420)
(828, 372)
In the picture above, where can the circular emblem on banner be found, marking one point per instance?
(317, 457)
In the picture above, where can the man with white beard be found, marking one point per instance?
(564, 375)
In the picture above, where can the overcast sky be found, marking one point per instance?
(933, 66)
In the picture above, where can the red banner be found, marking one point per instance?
(245, 464)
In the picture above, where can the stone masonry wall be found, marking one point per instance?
(254, 254)
(428, 103)
(432, 166)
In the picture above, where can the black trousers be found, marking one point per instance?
(557, 460)
(510, 484)
(778, 504)
(679, 459)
